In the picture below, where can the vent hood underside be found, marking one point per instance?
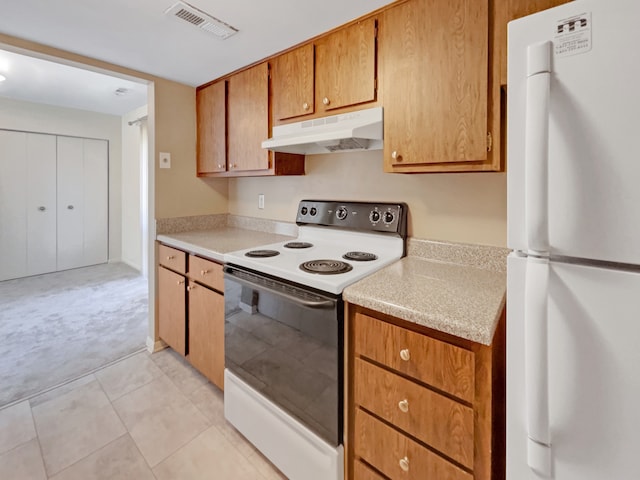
(354, 131)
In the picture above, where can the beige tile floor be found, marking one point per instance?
(145, 417)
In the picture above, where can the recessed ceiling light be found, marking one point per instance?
(2, 78)
(121, 91)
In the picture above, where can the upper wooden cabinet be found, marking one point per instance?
(211, 108)
(248, 119)
(233, 120)
(335, 72)
(346, 66)
(434, 73)
(293, 82)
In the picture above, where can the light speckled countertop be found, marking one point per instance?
(454, 288)
(212, 236)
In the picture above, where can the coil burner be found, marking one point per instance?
(326, 267)
(262, 253)
(360, 256)
(298, 245)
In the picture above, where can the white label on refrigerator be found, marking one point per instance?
(573, 35)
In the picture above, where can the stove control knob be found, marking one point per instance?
(313, 211)
(303, 210)
(341, 213)
(388, 217)
(374, 216)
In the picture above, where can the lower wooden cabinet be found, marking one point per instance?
(191, 310)
(420, 403)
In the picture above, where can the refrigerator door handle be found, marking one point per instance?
(536, 144)
(536, 365)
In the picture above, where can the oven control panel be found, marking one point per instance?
(363, 216)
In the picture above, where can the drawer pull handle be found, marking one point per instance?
(405, 355)
(170, 257)
(403, 405)
(404, 464)
(191, 287)
(204, 272)
(180, 282)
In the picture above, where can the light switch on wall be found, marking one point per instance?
(165, 160)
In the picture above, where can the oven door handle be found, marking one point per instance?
(328, 303)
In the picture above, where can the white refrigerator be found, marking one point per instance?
(573, 293)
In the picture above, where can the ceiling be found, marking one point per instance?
(138, 35)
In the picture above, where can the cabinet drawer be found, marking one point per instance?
(438, 421)
(206, 272)
(362, 472)
(439, 364)
(385, 449)
(172, 258)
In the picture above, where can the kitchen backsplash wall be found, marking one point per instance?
(460, 207)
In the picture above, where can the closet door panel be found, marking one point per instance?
(96, 196)
(13, 204)
(41, 203)
(70, 202)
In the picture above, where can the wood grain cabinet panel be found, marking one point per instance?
(346, 66)
(211, 109)
(206, 272)
(292, 83)
(397, 456)
(364, 472)
(438, 421)
(206, 332)
(248, 119)
(171, 309)
(439, 364)
(172, 258)
(434, 71)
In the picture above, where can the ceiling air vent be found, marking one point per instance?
(202, 20)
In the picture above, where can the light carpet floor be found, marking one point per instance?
(59, 326)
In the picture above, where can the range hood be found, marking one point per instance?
(353, 131)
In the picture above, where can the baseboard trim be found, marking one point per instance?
(154, 346)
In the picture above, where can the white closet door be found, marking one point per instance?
(13, 204)
(82, 202)
(96, 197)
(41, 203)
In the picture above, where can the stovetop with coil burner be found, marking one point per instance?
(338, 244)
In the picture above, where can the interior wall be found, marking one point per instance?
(131, 193)
(178, 191)
(457, 207)
(35, 117)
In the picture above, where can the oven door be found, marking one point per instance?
(286, 341)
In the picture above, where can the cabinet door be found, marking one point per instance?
(206, 332)
(211, 106)
(41, 203)
(248, 120)
(434, 70)
(346, 66)
(292, 83)
(172, 309)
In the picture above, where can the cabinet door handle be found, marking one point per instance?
(396, 156)
(403, 405)
(170, 257)
(326, 101)
(404, 464)
(305, 106)
(180, 282)
(204, 272)
(191, 287)
(42, 209)
(405, 354)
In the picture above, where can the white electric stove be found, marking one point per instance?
(284, 330)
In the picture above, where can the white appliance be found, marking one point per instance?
(573, 297)
(284, 331)
(353, 131)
